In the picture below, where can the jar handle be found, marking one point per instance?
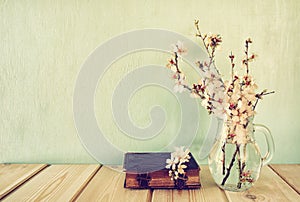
(270, 143)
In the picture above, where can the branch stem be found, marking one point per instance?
(230, 165)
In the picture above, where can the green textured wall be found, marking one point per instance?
(44, 43)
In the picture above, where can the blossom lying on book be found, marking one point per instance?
(176, 163)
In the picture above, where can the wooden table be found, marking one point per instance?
(35, 182)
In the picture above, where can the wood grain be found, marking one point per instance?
(161, 195)
(107, 185)
(88, 183)
(55, 183)
(208, 192)
(289, 173)
(13, 175)
(269, 187)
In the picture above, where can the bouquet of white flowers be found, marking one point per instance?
(234, 100)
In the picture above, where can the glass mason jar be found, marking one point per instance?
(235, 164)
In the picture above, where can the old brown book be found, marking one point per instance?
(147, 170)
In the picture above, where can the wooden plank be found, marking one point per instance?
(289, 173)
(107, 185)
(13, 175)
(175, 195)
(208, 192)
(269, 187)
(55, 183)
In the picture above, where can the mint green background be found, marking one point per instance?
(44, 43)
